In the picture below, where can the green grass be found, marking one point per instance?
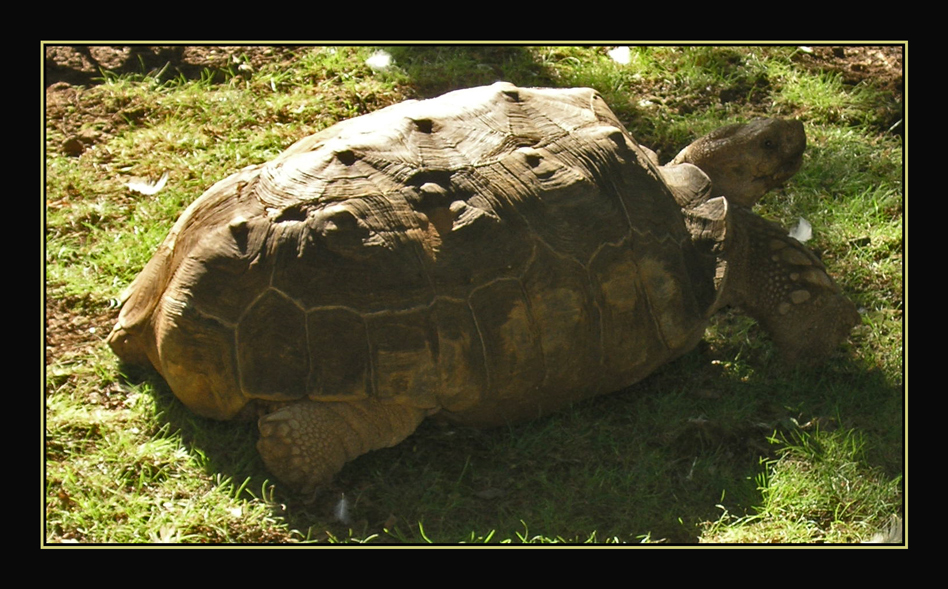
(725, 445)
(817, 490)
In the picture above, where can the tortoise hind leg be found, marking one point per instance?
(306, 443)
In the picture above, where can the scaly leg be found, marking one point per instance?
(306, 443)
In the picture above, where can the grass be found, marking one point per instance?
(817, 490)
(724, 445)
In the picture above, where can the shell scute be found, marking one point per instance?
(448, 253)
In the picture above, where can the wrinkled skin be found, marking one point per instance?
(746, 161)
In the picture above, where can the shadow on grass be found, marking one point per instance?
(655, 460)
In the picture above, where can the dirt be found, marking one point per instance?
(84, 65)
(883, 65)
(74, 326)
(71, 327)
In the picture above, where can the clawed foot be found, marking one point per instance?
(305, 444)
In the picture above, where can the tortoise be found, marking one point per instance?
(490, 256)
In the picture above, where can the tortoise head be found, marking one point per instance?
(745, 161)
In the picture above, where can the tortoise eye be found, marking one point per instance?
(769, 143)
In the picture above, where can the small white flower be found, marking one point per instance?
(802, 231)
(341, 511)
(621, 55)
(379, 60)
(146, 186)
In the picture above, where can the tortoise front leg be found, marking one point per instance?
(784, 286)
(304, 444)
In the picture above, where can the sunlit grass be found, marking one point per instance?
(126, 463)
(817, 490)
